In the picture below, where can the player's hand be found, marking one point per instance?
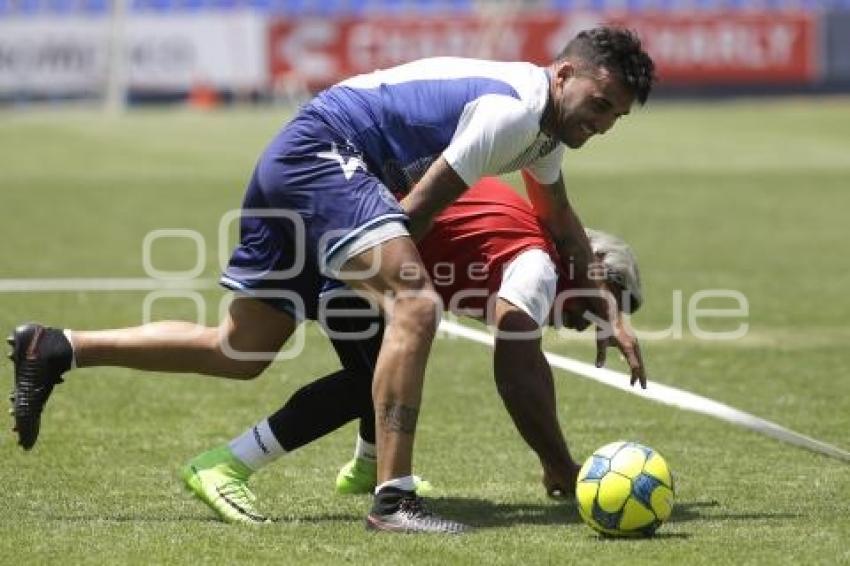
(620, 335)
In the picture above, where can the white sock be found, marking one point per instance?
(405, 483)
(257, 446)
(365, 450)
(67, 334)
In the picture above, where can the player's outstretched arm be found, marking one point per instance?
(554, 209)
(573, 245)
(438, 188)
(524, 380)
(570, 238)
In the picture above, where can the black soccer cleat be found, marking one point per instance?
(40, 355)
(401, 511)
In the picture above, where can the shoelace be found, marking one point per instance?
(30, 386)
(239, 493)
(414, 506)
(416, 509)
(30, 393)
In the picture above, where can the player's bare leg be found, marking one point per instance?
(401, 286)
(412, 317)
(42, 354)
(175, 346)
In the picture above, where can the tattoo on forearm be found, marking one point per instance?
(398, 418)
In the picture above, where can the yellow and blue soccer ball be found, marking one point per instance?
(625, 489)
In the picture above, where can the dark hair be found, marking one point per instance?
(618, 50)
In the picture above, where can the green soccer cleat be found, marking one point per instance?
(220, 480)
(357, 476)
(361, 476)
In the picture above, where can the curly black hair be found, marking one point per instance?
(619, 50)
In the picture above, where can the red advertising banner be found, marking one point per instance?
(732, 48)
(717, 48)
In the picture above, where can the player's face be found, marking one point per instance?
(586, 104)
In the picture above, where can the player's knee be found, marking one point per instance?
(252, 370)
(244, 370)
(236, 362)
(420, 310)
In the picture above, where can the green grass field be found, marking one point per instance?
(749, 196)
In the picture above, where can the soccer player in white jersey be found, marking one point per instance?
(317, 208)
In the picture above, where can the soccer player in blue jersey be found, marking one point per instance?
(318, 208)
(490, 259)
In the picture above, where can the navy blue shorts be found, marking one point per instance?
(310, 194)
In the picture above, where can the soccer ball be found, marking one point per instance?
(625, 489)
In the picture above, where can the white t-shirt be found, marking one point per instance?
(483, 117)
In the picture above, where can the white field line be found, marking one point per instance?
(73, 285)
(668, 395)
(657, 392)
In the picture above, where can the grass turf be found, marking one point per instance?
(745, 195)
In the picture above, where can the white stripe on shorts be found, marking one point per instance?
(365, 239)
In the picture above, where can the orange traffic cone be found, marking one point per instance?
(203, 96)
